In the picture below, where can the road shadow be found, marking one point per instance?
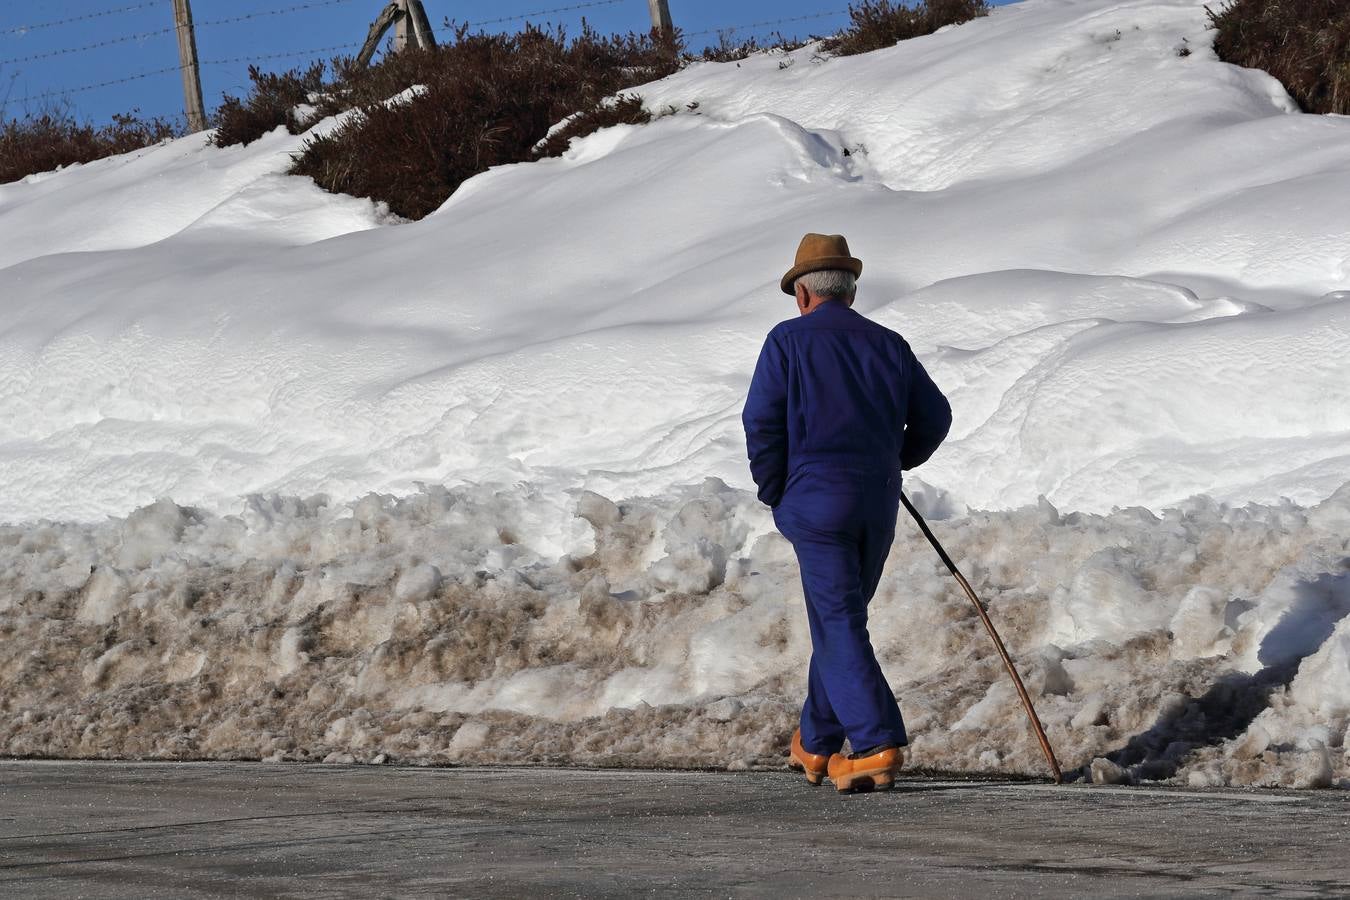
(1229, 706)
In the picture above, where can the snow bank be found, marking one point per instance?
(1207, 644)
(1120, 262)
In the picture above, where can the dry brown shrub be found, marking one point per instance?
(729, 49)
(48, 140)
(1303, 43)
(270, 103)
(484, 100)
(877, 24)
(625, 110)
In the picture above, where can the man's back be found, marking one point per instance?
(834, 388)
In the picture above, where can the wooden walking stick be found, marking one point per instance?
(998, 641)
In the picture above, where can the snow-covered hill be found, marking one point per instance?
(1127, 267)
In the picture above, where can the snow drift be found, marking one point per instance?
(1122, 264)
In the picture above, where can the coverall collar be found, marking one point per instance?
(834, 303)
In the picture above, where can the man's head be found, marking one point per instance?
(814, 288)
(823, 270)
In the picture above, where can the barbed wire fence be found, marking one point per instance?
(106, 17)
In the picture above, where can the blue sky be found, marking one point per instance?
(138, 38)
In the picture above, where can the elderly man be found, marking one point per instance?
(838, 406)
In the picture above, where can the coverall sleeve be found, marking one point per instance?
(929, 417)
(765, 421)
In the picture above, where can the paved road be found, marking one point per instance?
(249, 829)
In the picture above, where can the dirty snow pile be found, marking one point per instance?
(288, 476)
(1208, 644)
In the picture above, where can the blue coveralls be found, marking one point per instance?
(837, 407)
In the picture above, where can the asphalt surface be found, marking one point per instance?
(189, 830)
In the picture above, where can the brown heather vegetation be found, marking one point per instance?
(1303, 43)
(624, 110)
(270, 103)
(49, 140)
(485, 100)
(729, 49)
(877, 24)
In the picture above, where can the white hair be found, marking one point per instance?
(829, 283)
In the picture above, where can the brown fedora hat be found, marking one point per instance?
(820, 251)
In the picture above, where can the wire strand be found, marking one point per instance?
(542, 12)
(22, 29)
(265, 13)
(153, 72)
(265, 56)
(89, 87)
(125, 39)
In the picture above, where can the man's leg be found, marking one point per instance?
(821, 730)
(875, 547)
(854, 686)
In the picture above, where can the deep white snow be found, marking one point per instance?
(1126, 267)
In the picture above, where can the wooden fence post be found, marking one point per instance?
(187, 62)
(402, 27)
(660, 10)
(421, 25)
(411, 28)
(377, 30)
